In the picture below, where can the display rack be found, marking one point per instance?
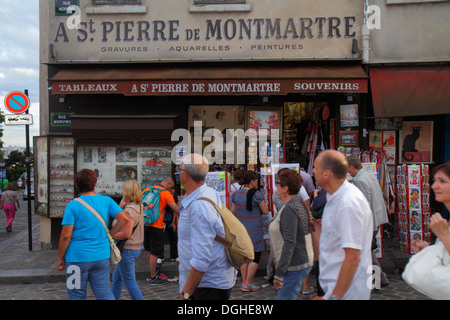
(413, 189)
(61, 175)
(220, 181)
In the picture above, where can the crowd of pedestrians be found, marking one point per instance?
(328, 228)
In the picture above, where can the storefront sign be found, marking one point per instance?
(60, 119)
(295, 29)
(196, 87)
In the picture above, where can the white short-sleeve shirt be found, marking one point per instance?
(346, 223)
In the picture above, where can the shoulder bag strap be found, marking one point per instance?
(99, 217)
(218, 238)
(140, 213)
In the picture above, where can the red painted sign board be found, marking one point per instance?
(17, 102)
(211, 87)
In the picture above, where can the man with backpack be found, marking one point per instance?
(205, 270)
(155, 200)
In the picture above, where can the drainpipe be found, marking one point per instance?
(365, 35)
(365, 44)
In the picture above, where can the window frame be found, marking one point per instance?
(414, 1)
(116, 2)
(201, 2)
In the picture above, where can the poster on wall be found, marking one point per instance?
(349, 115)
(389, 146)
(375, 139)
(220, 117)
(416, 142)
(196, 113)
(264, 118)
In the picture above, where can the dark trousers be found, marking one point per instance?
(211, 294)
(173, 242)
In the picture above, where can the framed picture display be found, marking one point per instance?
(196, 113)
(375, 139)
(264, 118)
(220, 117)
(390, 146)
(349, 138)
(349, 115)
(416, 142)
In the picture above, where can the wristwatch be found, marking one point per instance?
(186, 296)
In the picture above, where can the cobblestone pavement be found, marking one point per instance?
(27, 268)
(397, 290)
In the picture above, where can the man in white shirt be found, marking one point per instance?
(345, 243)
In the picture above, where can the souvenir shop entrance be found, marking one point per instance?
(110, 116)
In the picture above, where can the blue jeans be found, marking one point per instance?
(292, 282)
(125, 274)
(97, 273)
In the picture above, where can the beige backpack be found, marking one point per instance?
(237, 242)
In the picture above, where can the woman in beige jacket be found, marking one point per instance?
(124, 273)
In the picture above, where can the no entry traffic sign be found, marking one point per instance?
(17, 102)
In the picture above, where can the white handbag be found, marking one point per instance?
(429, 272)
(116, 256)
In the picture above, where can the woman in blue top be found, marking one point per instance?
(248, 205)
(84, 248)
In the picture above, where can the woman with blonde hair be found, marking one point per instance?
(124, 273)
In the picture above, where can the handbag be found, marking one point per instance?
(121, 243)
(429, 272)
(115, 252)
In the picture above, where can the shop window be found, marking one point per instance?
(114, 165)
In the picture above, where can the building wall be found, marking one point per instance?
(267, 30)
(411, 32)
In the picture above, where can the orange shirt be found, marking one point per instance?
(165, 198)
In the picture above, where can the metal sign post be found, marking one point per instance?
(18, 104)
(28, 161)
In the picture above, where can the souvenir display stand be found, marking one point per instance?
(54, 173)
(413, 189)
(220, 181)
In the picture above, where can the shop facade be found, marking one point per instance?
(116, 85)
(409, 77)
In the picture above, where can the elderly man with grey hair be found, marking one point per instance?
(205, 272)
(370, 187)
